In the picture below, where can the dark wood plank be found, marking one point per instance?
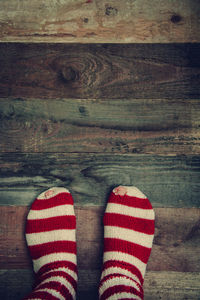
(157, 285)
(100, 21)
(100, 71)
(158, 126)
(175, 248)
(15, 284)
(166, 180)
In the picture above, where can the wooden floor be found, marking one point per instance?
(95, 94)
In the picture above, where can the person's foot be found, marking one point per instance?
(128, 238)
(50, 235)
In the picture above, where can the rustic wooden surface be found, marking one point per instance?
(139, 71)
(166, 180)
(156, 21)
(143, 126)
(15, 284)
(93, 116)
(175, 248)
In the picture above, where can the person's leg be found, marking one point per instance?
(128, 238)
(50, 235)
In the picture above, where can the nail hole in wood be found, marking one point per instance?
(85, 20)
(176, 19)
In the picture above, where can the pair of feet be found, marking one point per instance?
(128, 236)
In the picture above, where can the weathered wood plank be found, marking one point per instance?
(157, 285)
(167, 180)
(99, 21)
(139, 71)
(117, 126)
(175, 248)
(171, 285)
(15, 284)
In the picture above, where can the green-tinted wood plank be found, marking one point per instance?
(158, 126)
(167, 180)
(100, 71)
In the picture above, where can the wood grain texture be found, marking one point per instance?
(175, 248)
(139, 71)
(167, 180)
(15, 284)
(141, 126)
(158, 21)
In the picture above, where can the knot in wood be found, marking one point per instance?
(176, 18)
(69, 74)
(111, 11)
(85, 20)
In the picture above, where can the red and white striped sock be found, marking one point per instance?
(50, 235)
(128, 238)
